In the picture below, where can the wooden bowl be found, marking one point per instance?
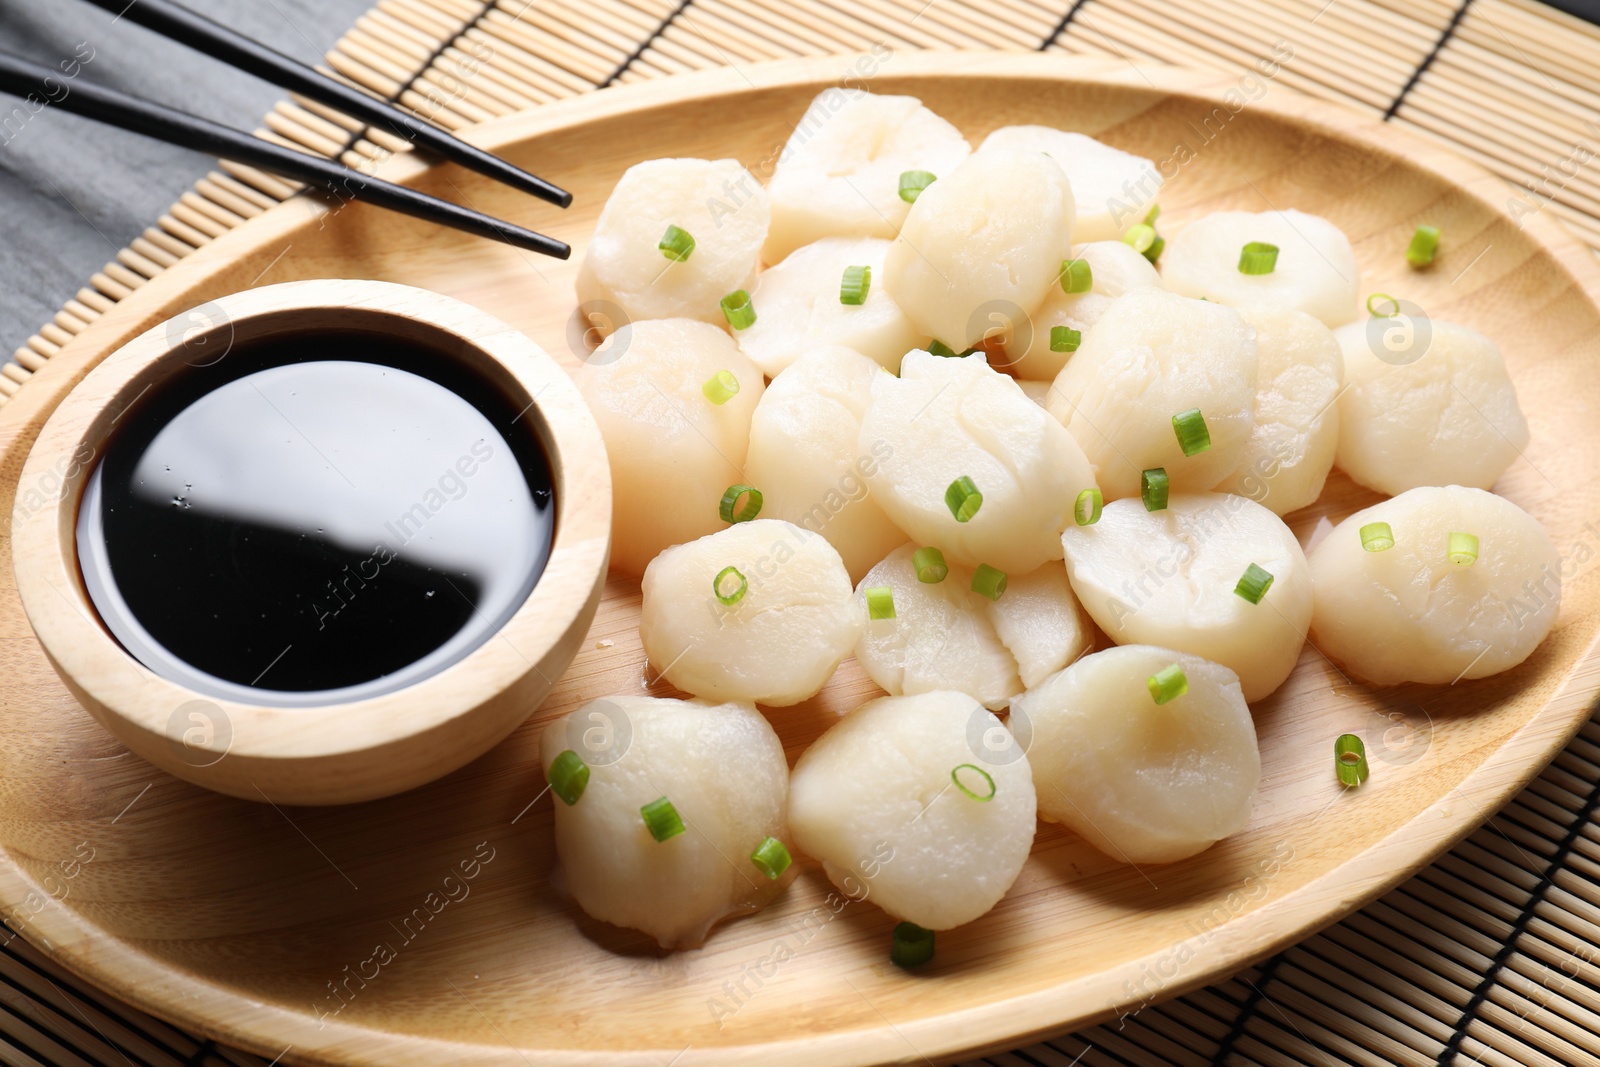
(353, 935)
(329, 753)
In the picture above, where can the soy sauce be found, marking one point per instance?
(314, 518)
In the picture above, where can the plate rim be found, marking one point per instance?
(202, 1005)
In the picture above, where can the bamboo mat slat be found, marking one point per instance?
(1490, 956)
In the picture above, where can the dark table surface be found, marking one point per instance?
(74, 192)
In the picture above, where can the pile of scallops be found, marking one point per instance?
(979, 418)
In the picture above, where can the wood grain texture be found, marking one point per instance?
(240, 920)
(353, 751)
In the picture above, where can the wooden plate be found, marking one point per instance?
(424, 929)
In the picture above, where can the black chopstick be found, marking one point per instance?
(22, 77)
(200, 33)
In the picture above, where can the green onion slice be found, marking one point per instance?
(1167, 684)
(880, 602)
(939, 348)
(738, 310)
(1076, 276)
(930, 565)
(912, 182)
(676, 244)
(1253, 584)
(1065, 339)
(1377, 537)
(1140, 237)
(1463, 548)
(662, 819)
(1153, 214)
(771, 858)
(721, 387)
(963, 499)
(910, 945)
(568, 776)
(720, 582)
(1376, 300)
(1086, 509)
(989, 581)
(1153, 485)
(1350, 759)
(752, 504)
(854, 285)
(1193, 437)
(1424, 243)
(1153, 253)
(988, 780)
(1258, 257)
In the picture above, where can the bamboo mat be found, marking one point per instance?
(1492, 955)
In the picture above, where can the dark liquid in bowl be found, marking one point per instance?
(315, 513)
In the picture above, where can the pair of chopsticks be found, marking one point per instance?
(22, 77)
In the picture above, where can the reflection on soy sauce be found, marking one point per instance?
(318, 517)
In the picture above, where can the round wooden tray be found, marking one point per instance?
(424, 929)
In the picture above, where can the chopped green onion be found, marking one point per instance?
(1153, 253)
(1086, 510)
(1424, 243)
(910, 945)
(1253, 584)
(737, 309)
(939, 348)
(1065, 339)
(662, 819)
(771, 858)
(1076, 276)
(1140, 237)
(930, 565)
(912, 182)
(1153, 486)
(719, 582)
(1377, 537)
(1258, 257)
(721, 387)
(1350, 759)
(963, 499)
(1376, 298)
(752, 504)
(983, 798)
(880, 602)
(854, 285)
(1153, 214)
(989, 581)
(1463, 548)
(1193, 437)
(1167, 684)
(569, 776)
(676, 244)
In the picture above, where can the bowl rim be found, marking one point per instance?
(210, 1005)
(97, 667)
